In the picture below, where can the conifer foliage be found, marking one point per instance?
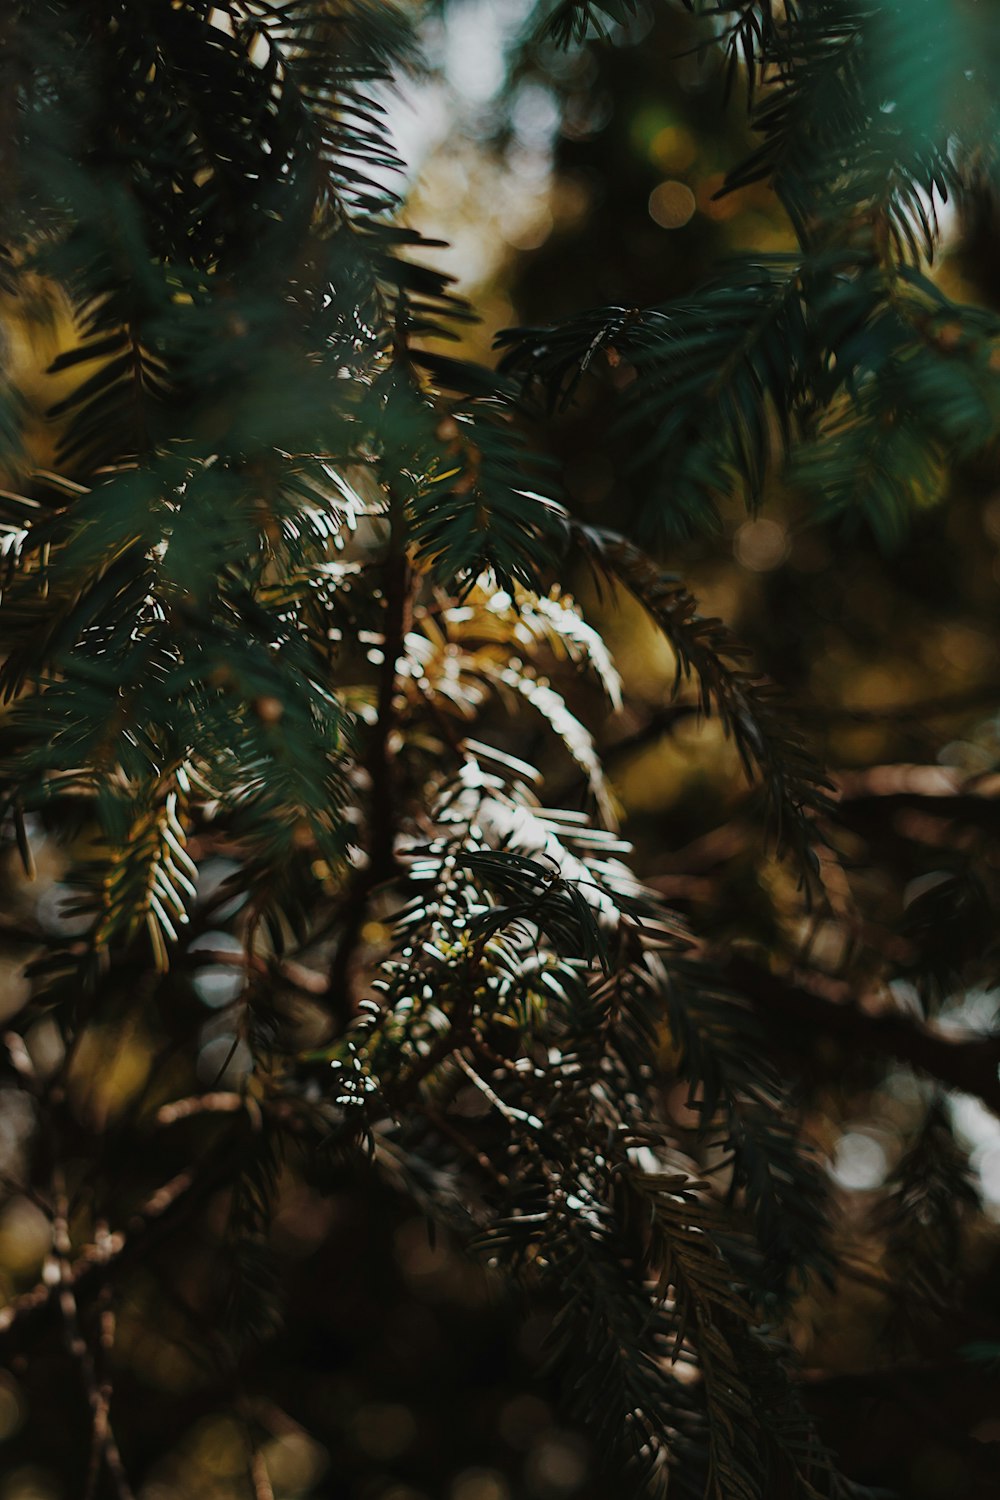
(270, 563)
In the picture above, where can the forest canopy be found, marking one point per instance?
(498, 770)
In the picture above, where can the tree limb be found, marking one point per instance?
(965, 1062)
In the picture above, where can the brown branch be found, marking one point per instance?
(877, 1380)
(260, 1479)
(200, 1104)
(937, 790)
(945, 1398)
(114, 1252)
(439, 1051)
(396, 591)
(382, 813)
(899, 779)
(468, 1148)
(103, 1444)
(664, 720)
(964, 1061)
(986, 695)
(661, 721)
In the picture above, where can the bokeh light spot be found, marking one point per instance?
(218, 985)
(522, 1418)
(479, 1484)
(29, 1482)
(224, 1061)
(557, 1465)
(671, 204)
(11, 1406)
(14, 987)
(859, 1163)
(220, 1447)
(56, 912)
(673, 148)
(25, 1236)
(989, 1174)
(532, 231)
(761, 546)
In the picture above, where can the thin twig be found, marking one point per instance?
(116, 1249)
(986, 695)
(259, 1477)
(445, 1127)
(382, 818)
(103, 1446)
(200, 1104)
(510, 1112)
(459, 1032)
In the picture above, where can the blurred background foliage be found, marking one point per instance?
(561, 181)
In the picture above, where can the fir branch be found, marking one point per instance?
(922, 1215)
(572, 21)
(746, 702)
(716, 382)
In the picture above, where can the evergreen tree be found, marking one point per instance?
(275, 569)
